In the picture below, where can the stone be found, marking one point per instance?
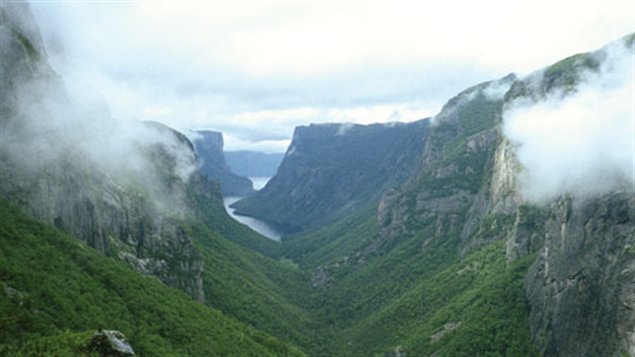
(111, 343)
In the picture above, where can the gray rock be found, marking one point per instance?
(330, 170)
(111, 343)
(46, 169)
(581, 288)
(209, 148)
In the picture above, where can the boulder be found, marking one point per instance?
(111, 343)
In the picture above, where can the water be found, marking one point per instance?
(253, 223)
(259, 182)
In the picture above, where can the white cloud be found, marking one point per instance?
(224, 63)
(268, 146)
(581, 144)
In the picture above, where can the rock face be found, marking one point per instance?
(83, 173)
(209, 148)
(111, 343)
(253, 164)
(450, 194)
(581, 288)
(333, 169)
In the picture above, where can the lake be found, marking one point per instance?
(253, 223)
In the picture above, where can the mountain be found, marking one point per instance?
(333, 169)
(61, 178)
(253, 163)
(56, 292)
(151, 235)
(209, 148)
(455, 235)
(464, 259)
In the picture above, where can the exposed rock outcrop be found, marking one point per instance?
(581, 289)
(82, 171)
(111, 343)
(209, 148)
(333, 169)
(450, 194)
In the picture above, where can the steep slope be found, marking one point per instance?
(419, 232)
(439, 269)
(581, 289)
(253, 163)
(51, 283)
(333, 169)
(209, 148)
(70, 172)
(132, 192)
(436, 247)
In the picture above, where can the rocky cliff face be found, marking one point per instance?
(333, 169)
(209, 147)
(450, 194)
(580, 289)
(82, 172)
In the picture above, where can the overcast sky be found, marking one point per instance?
(256, 69)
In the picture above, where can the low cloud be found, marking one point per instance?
(581, 143)
(49, 123)
(344, 129)
(267, 146)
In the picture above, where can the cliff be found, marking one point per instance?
(330, 170)
(83, 173)
(579, 289)
(475, 253)
(209, 148)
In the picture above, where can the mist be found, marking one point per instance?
(255, 72)
(50, 124)
(579, 144)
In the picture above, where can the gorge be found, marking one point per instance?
(479, 230)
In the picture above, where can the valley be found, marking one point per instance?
(455, 234)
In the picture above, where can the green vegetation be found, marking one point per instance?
(462, 144)
(347, 234)
(433, 281)
(473, 307)
(567, 73)
(65, 343)
(52, 283)
(425, 301)
(412, 291)
(319, 184)
(376, 292)
(265, 293)
(207, 201)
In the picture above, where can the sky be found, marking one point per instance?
(256, 69)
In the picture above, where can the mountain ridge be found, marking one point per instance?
(417, 239)
(209, 148)
(332, 169)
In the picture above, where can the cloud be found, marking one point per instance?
(344, 129)
(581, 144)
(215, 63)
(496, 90)
(54, 124)
(267, 146)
